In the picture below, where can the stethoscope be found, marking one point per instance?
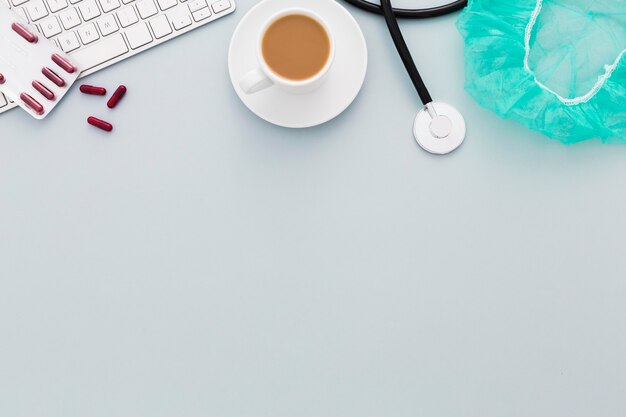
(439, 128)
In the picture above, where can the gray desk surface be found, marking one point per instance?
(200, 262)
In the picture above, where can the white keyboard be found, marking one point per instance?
(99, 33)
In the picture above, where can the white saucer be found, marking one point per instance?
(301, 110)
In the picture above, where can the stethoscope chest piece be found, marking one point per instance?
(439, 128)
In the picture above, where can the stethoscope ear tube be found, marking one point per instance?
(412, 13)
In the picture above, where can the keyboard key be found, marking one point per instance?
(108, 5)
(138, 36)
(88, 33)
(89, 9)
(127, 16)
(56, 5)
(201, 14)
(167, 4)
(21, 12)
(220, 6)
(195, 5)
(70, 18)
(18, 2)
(100, 52)
(69, 41)
(146, 8)
(50, 27)
(179, 17)
(108, 25)
(36, 10)
(160, 26)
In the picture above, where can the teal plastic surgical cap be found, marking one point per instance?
(555, 66)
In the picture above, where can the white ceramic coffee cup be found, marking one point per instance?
(263, 77)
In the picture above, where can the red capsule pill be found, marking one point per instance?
(90, 89)
(33, 104)
(2, 79)
(63, 63)
(52, 76)
(24, 33)
(43, 90)
(100, 124)
(117, 96)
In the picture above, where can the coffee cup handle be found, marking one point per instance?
(255, 81)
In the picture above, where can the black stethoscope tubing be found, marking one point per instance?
(412, 13)
(391, 14)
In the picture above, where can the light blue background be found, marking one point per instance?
(201, 262)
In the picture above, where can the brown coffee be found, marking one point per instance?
(296, 47)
